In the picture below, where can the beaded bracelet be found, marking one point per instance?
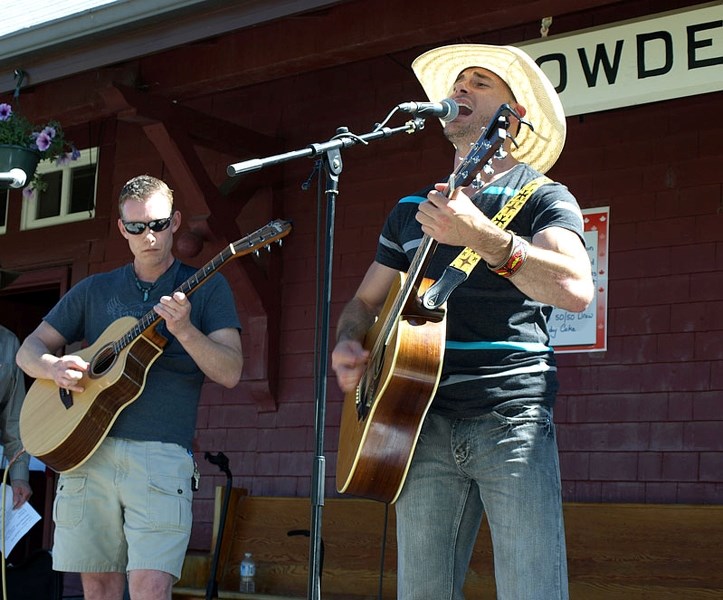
(516, 258)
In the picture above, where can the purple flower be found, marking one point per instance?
(5, 111)
(49, 131)
(43, 140)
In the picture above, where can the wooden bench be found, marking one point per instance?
(615, 551)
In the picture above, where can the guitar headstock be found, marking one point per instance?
(487, 147)
(263, 237)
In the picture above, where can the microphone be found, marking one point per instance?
(14, 178)
(447, 109)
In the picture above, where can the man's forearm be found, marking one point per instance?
(355, 321)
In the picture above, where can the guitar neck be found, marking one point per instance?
(405, 303)
(481, 153)
(153, 319)
(273, 231)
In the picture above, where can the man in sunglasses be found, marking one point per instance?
(126, 511)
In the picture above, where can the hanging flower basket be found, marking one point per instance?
(42, 142)
(17, 157)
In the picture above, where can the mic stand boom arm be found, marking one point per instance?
(343, 139)
(332, 165)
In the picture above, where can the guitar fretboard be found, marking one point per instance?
(251, 243)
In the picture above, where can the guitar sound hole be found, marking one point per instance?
(103, 361)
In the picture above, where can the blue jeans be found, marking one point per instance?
(505, 465)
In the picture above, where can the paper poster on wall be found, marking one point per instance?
(586, 331)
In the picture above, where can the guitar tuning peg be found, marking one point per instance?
(256, 253)
(268, 247)
(488, 169)
(501, 153)
(280, 242)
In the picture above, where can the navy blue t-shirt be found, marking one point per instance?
(497, 346)
(166, 409)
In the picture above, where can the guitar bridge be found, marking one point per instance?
(66, 397)
(362, 409)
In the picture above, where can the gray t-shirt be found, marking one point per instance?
(12, 392)
(166, 409)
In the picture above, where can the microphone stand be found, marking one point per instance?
(330, 152)
(221, 461)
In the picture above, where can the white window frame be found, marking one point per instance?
(87, 157)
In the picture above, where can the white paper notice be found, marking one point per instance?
(17, 522)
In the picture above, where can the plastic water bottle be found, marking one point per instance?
(248, 573)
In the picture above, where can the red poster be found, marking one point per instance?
(586, 331)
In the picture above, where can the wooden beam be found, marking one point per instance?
(174, 130)
(195, 189)
(142, 108)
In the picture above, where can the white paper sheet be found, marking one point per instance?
(17, 522)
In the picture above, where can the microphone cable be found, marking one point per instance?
(3, 489)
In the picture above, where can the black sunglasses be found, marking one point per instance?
(138, 227)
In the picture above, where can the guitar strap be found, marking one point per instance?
(460, 268)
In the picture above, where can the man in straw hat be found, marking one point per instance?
(487, 444)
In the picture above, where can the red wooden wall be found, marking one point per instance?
(640, 422)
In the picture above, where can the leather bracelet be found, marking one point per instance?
(515, 260)
(511, 245)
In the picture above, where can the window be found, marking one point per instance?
(69, 196)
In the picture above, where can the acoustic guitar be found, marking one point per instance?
(63, 429)
(381, 419)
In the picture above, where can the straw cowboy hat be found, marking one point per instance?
(438, 69)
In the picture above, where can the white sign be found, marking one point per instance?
(660, 57)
